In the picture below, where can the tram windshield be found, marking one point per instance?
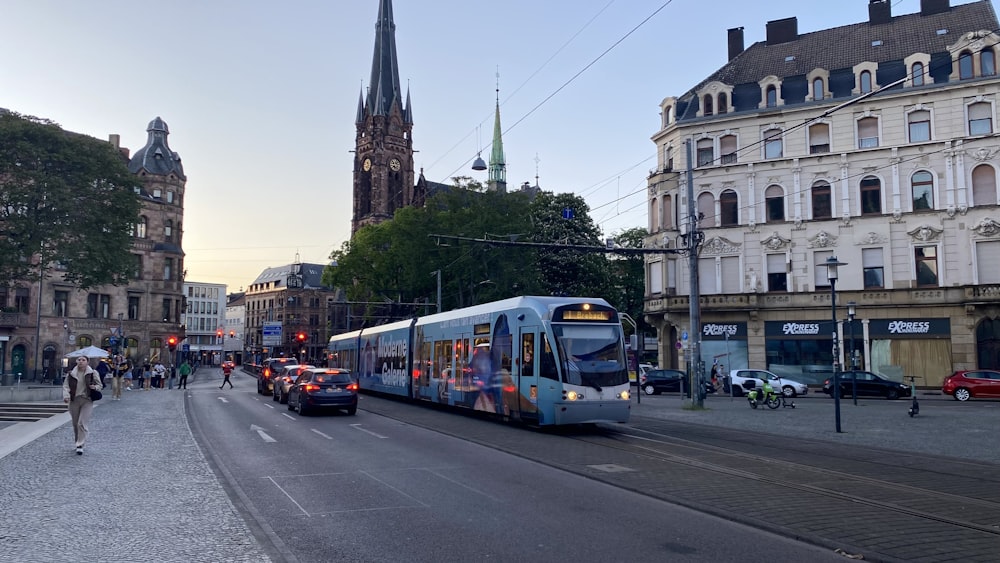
(591, 355)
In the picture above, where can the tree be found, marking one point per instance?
(65, 199)
(564, 218)
(629, 273)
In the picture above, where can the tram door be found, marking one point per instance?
(527, 374)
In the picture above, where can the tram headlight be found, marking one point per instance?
(624, 395)
(572, 396)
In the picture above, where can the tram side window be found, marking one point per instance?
(425, 363)
(528, 355)
(547, 362)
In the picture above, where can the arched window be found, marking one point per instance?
(818, 90)
(723, 103)
(708, 105)
(706, 209)
(922, 184)
(917, 74)
(871, 196)
(822, 201)
(729, 209)
(984, 185)
(987, 63)
(774, 203)
(140, 227)
(866, 81)
(772, 96)
(965, 65)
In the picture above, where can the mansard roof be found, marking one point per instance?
(156, 157)
(312, 276)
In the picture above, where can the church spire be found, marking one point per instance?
(384, 90)
(498, 164)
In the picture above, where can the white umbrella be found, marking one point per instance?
(88, 352)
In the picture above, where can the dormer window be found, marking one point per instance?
(866, 82)
(170, 197)
(917, 74)
(987, 63)
(818, 90)
(723, 103)
(965, 66)
(772, 97)
(708, 105)
(157, 193)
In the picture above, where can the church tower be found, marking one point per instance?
(383, 156)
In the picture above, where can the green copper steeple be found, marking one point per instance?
(498, 164)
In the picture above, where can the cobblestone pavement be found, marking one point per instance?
(150, 494)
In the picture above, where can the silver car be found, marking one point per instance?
(744, 380)
(285, 379)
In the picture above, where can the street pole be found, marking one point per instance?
(851, 309)
(831, 268)
(438, 274)
(694, 309)
(635, 328)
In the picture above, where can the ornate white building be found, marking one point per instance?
(800, 155)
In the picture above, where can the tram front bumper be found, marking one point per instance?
(583, 412)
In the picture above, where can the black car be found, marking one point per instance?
(868, 384)
(318, 388)
(265, 381)
(656, 381)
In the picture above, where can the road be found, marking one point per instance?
(374, 488)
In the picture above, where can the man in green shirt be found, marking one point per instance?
(185, 371)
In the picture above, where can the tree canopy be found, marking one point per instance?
(66, 200)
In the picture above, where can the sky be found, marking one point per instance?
(261, 96)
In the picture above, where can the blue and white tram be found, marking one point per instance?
(541, 360)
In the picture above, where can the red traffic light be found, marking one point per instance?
(301, 337)
(232, 334)
(172, 342)
(219, 333)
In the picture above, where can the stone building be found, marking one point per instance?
(873, 143)
(38, 328)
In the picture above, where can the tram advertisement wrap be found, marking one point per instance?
(383, 362)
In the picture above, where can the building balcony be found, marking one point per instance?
(14, 320)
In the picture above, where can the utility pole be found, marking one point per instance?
(696, 376)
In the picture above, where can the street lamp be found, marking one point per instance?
(851, 311)
(831, 273)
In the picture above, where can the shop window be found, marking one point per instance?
(917, 74)
(868, 133)
(819, 138)
(821, 276)
(706, 152)
(771, 96)
(987, 63)
(871, 196)
(774, 202)
(822, 201)
(706, 210)
(866, 81)
(772, 144)
(922, 184)
(965, 66)
(723, 103)
(727, 146)
(919, 126)
(984, 185)
(980, 118)
(729, 209)
(925, 258)
(708, 105)
(987, 258)
(777, 273)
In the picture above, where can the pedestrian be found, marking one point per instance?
(147, 376)
(131, 374)
(103, 369)
(76, 394)
(122, 366)
(227, 370)
(159, 371)
(185, 371)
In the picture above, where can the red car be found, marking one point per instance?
(966, 384)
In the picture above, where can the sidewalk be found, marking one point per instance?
(153, 495)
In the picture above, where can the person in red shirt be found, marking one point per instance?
(227, 370)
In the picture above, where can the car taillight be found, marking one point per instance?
(310, 387)
(353, 387)
(642, 379)
(827, 382)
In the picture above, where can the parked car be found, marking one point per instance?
(745, 380)
(285, 379)
(973, 383)
(271, 366)
(656, 381)
(318, 388)
(868, 384)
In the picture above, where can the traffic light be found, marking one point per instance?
(232, 334)
(218, 333)
(172, 343)
(301, 337)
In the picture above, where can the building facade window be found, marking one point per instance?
(874, 268)
(984, 185)
(925, 258)
(818, 90)
(165, 311)
(771, 97)
(820, 277)
(706, 152)
(708, 278)
(729, 208)
(867, 132)
(60, 303)
(774, 203)
(133, 307)
(22, 300)
(917, 74)
(140, 227)
(819, 138)
(668, 159)
(170, 196)
(723, 103)
(865, 82)
(871, 196)
(987, 63)
(98, 306)
(987, 258)
(137, 272)
(777, 273)
(667, 213)
(168, 269)
(168, 230)
(708, 105)
(706, 209)
(732, 275)
(727, 146)
(919, 125)
(922, 184)
(772, 144)
(965, 66)
(980, 118)
(822, 201)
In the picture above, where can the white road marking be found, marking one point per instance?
(358, 427)
(223, 399)
(268, 406)
(322, 434)
(288, 415)
(263, 435)
(289, 496)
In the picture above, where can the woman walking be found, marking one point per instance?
(76, 394)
